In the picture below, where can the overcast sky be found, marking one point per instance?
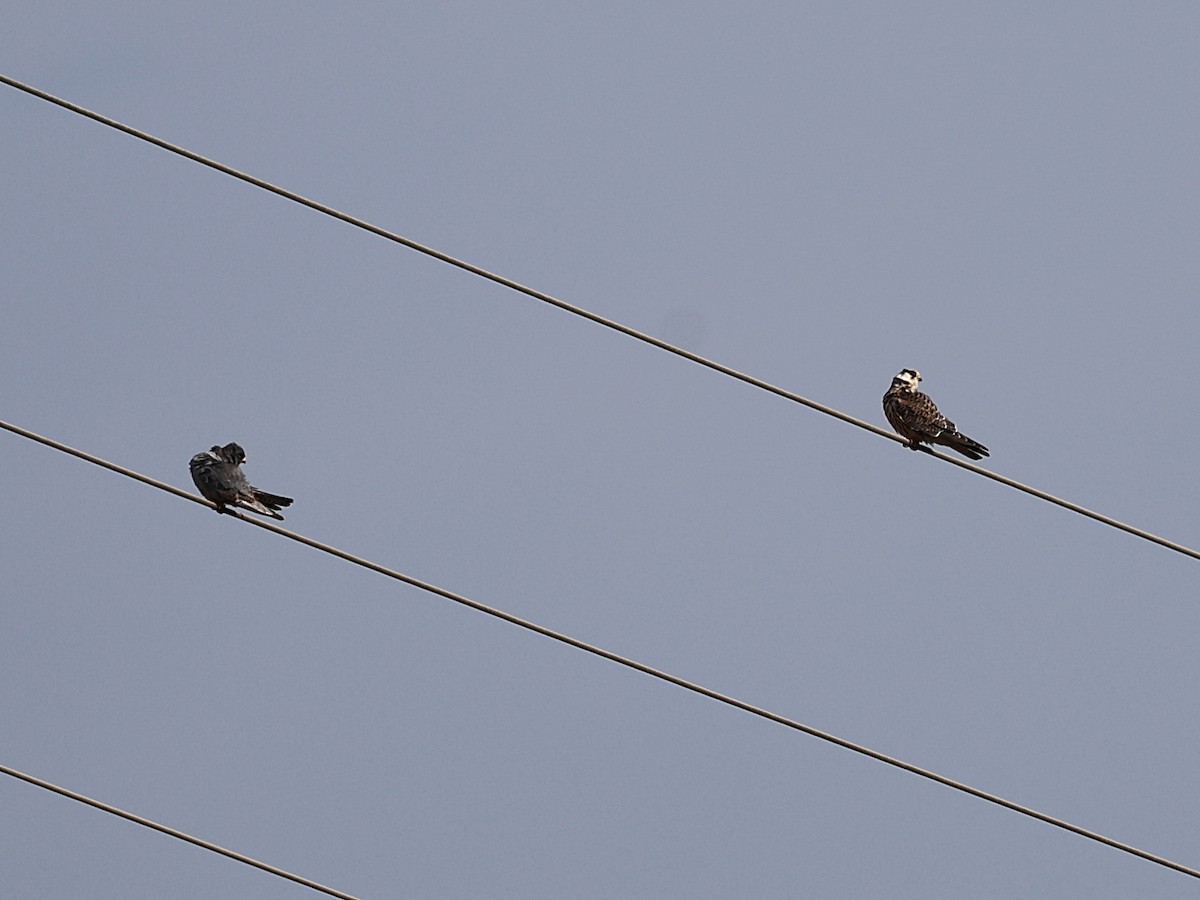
(1003, 196)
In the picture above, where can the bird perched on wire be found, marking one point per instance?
(916, 418)
(218, 475)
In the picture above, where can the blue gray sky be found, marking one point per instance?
(1003, 196)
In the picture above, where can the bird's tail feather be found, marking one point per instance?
(272, 500)
(252, 503)
(966, 446)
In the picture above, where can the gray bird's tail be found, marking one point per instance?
(275, 502)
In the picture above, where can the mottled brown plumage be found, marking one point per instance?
(916, 418)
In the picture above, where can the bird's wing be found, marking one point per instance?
(921, 415)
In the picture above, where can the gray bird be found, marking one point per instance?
(218, 475)
(916, 418)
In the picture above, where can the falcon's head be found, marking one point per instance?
(907, 380)
(231, 453)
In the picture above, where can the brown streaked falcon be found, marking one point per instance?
(218, 475)
(916, 418)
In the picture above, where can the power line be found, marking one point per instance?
(591, 316)
(626, 661)
(175, 833)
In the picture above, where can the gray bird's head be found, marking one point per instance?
(907, 380)
(231, 453)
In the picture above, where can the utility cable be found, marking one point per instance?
(175, 833)
(628, 663)
(587, 314)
